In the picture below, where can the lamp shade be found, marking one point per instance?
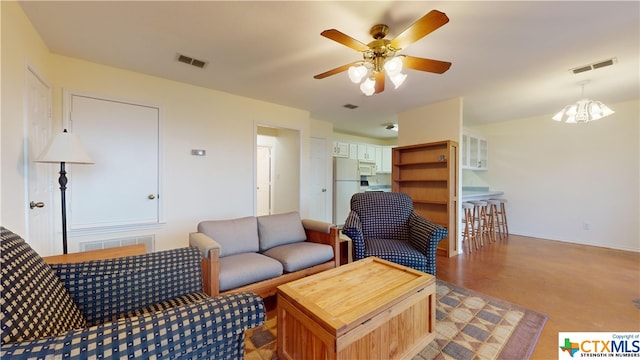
(65, 147)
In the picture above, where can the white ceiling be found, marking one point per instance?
(510, 59)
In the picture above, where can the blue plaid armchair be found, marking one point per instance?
(145, 306)
(384, 224)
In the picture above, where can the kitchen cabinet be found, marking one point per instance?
(427, 173)
(380, 155)
(367, 152)
(340, 149)
(474, 152)
(385, 160)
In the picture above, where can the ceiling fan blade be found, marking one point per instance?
(425, 25)
(345, 40)
(336, 70)
(434, 66)
(379, 82)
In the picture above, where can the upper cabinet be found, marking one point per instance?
(385, 165)
(474, 151)
(367, 152)
(340, 149)
(380, 155)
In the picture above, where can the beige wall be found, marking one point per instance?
(559, 177)
(218, 185)
(21, 47)
(434, 122)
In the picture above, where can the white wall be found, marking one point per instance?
(219, 185)
(560, 178)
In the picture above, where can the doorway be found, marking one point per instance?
(263, 180)
(281, 167)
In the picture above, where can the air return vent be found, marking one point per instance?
(597, 65)
(147, 240)
(191, 61)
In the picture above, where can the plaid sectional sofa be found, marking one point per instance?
(148, 306)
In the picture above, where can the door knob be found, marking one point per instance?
(38, 204)
(151, 196)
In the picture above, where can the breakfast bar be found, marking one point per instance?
(474, 193)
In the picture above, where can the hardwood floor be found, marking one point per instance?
(580, 288)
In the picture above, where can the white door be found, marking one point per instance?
(39, 176)
(263, 180)
(319, 194)
(122, 188)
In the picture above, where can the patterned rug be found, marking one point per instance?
(469, 325)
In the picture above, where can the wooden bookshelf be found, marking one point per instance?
(427, 173)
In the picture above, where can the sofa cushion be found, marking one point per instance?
(35, 304)
(280, 229)
(247, 268)
(234, 235)
(300, 255)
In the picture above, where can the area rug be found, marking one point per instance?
(469, 325)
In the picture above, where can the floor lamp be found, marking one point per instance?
(64, 148)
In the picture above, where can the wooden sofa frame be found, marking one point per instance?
(266, 288)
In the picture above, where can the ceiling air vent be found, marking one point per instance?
(350, 106)
(191, 61)
(598, 65)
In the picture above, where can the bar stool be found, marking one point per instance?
(495, 221)
(502, 215)
(480, 220)
(469, 233)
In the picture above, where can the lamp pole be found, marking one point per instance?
(62, 180)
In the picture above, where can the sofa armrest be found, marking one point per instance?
(353, 229)
(203, 242)
(210, 263)
(323, 233)
(425, 235)
(212, 328)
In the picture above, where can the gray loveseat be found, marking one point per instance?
(259, 253)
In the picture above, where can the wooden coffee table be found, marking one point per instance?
(368, 309)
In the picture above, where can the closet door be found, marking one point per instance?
(122, 187)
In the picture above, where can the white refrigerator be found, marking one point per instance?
(346, 183)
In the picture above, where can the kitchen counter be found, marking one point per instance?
(474, 193)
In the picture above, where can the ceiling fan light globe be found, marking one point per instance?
(393, 66)
(398, 79)
(356, 73)
(368, 87)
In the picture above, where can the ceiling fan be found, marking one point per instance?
(381, 55)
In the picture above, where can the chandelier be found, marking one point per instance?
(583, 110)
